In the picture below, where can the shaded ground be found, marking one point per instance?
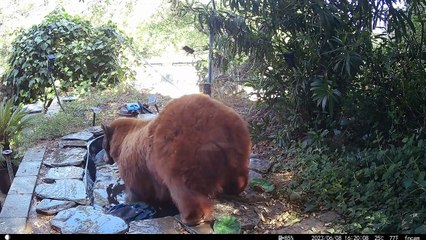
(275, 212)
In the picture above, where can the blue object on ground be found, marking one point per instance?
(133, 106)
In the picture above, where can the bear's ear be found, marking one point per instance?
(107, 129)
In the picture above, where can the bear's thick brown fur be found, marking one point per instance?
(195, 149)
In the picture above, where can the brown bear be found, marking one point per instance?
(194, 150)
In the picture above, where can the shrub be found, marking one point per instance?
(379, 190)
(85, 57)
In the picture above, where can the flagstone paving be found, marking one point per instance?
(54, 193)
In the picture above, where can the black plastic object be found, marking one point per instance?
(132, 211)
(93, 148)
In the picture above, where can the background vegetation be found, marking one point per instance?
(341, 88)
(85, 57)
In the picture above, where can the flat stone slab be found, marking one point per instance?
(34, 154)
(50, 207)
(16, 206)
(23, 184)
(83, 135)
(88, 220)
(111, 194)
(66, 157)
(100, 197)
(260, 165)
(33, 108)
(68, 189)
(28, 169)
(12, 225)
(106, 189)
(72, 143)
(70, 172)
(165, 225)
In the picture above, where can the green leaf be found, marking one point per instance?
(408, 182)
(227, 225)
(264, 184)
(421, 176)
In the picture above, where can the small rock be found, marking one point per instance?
(254, 175)
(147, 116)
(99, 157)
(50, 207)
(88, 220)
(259, 165)
(70, 172)
(100, 197)
(33, 108)
(83, 135)
(96, 131)
(72, 143)
(250, 219)
(68, 189)
(66, 157)
(329, 217)
(295, 196)
(251, 196)
(165, 225)
(202, 228)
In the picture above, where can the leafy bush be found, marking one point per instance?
(377, 190)
(322, 65)
(341, 97)
(85, 57)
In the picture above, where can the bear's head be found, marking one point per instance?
(106, 143)
(117, 131)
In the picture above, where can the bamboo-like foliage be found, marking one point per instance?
(325, 60)
(12, 121)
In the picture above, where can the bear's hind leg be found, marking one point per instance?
(193, 206)
(235, 185)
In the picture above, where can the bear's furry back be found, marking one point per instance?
(195, 141)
